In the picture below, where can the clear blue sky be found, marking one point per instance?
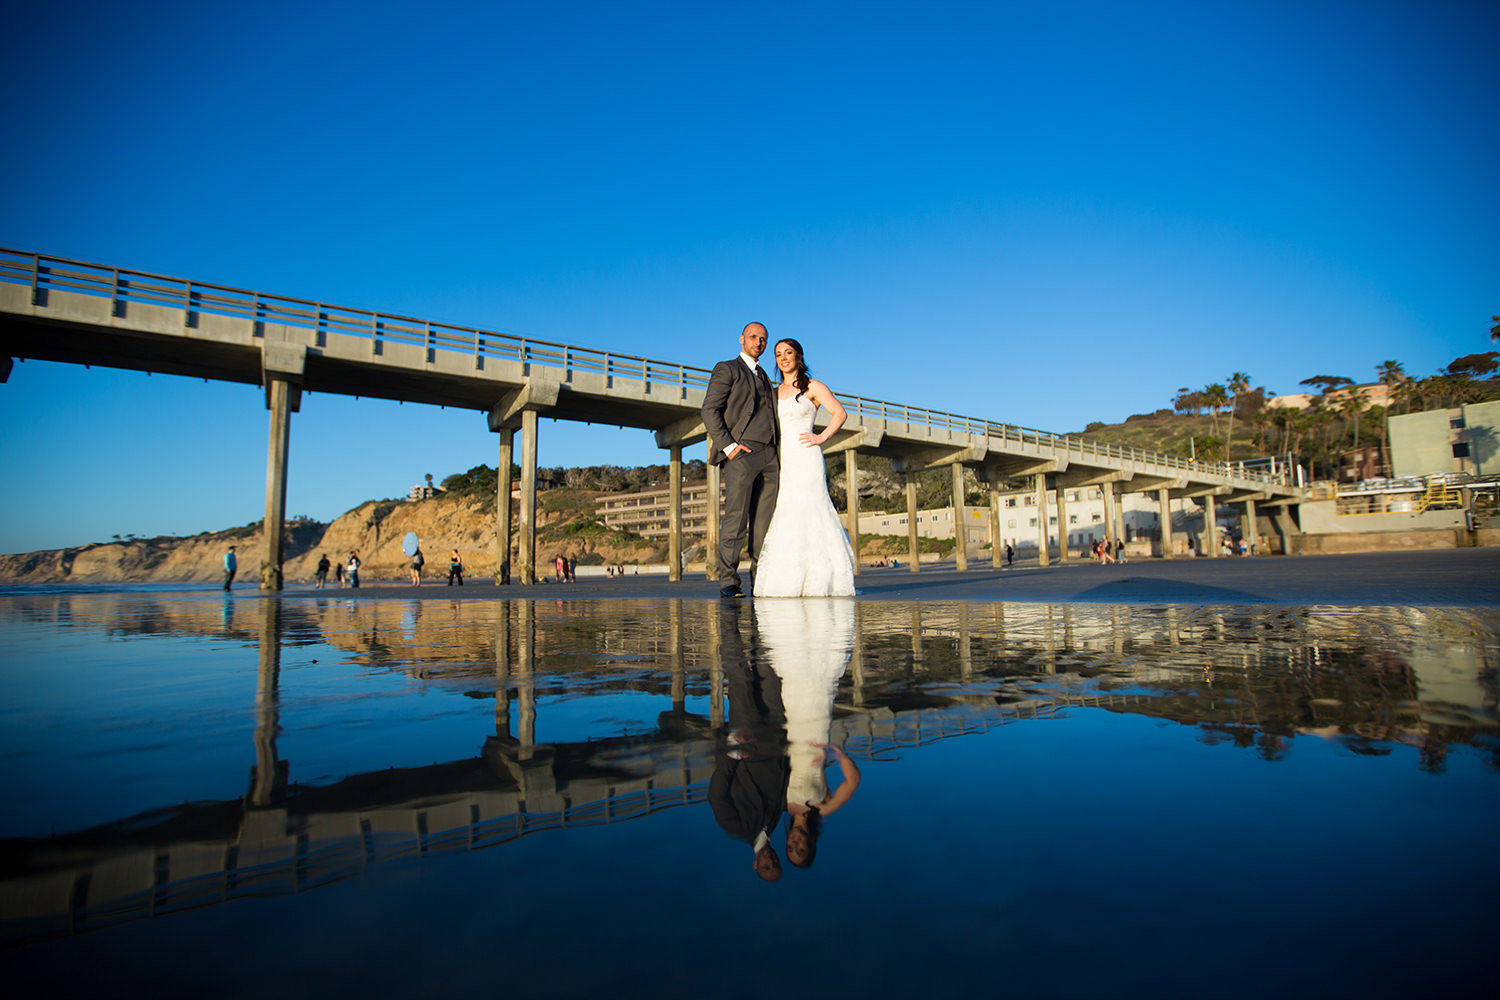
(1039, 213)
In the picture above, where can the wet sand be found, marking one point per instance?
(1457, 577)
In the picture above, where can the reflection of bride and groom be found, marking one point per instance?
(773, 753)
(772, 756)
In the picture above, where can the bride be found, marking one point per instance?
(806, 552)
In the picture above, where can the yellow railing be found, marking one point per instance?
(1438, 496)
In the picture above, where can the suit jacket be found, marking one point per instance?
(731, 403)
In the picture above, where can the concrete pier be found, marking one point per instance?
(851, 501)
(1108, 492)
(1163, 501)
(914, 554)
(529, 422)
(504, 461)
(997, 550)
(278, 393)
(711, 535)
(1043, 537)
(1063, 555)
(960, 519)
(674, 501)
(1210, 527)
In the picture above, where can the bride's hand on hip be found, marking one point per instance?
(809, 439)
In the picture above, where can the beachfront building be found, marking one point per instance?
(648, 513)
(1464, 439)
(1018, 519)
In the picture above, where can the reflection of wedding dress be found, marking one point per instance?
(806, 552)
(809, 644)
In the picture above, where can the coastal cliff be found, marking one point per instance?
(565, 525)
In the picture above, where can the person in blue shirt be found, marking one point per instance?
(230, 565)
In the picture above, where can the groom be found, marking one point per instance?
(739, 411)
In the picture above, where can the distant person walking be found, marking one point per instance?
(322, 574)
(1119, 551)
(572, 569)
(455, 569)
(416, 567)
(338, 574)
(230, 565)
(1010, 555)
(352, 571)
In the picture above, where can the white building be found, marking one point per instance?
(1084, 508)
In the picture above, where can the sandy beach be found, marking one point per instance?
(1444, 577)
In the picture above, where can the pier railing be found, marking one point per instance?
(43, 272)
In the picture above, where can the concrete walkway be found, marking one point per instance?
(1444, 577)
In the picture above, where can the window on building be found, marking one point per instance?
(1052, 521)
(1098, 518)
(1012, 523)
(1031, 501)
(1072, 518)
(1461, 450)
(1033, 522)
(1095, 495)
(1457, 423)
(1010, 501)
(1073, 496)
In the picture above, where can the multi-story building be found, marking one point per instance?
(649, 512)
(1465, 439)
(1084, 509)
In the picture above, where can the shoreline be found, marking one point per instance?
(1445, 577)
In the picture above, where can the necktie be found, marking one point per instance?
(764, 381)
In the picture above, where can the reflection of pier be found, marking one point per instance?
(919, 674)
(201, 855)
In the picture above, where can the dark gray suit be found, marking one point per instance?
(740, 406)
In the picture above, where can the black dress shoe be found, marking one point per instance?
(732, 590)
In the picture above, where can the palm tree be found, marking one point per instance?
(1391, 374)
(1215, 397)
(1239, 384)
(1495, 330)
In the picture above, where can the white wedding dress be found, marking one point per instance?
(806, 551)
(809, 643)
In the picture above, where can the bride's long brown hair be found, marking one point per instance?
(800, 377)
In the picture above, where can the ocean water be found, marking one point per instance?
(428, 797)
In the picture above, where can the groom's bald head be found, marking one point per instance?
(753, 339)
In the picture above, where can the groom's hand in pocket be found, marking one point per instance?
(736, 452)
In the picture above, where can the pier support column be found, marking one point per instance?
(1043, 538)
(279, 401)
(1211, 527)
(960, 520)
(1249, 531)
(851, 501)
(1287, 528)
(674, 514)
(711, 536)
(1063, 555)
(1119, 494)
(1163, 500)
(502, 505)
(1107, 491)
(997, 551)
(528, 496)
(914, 554)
